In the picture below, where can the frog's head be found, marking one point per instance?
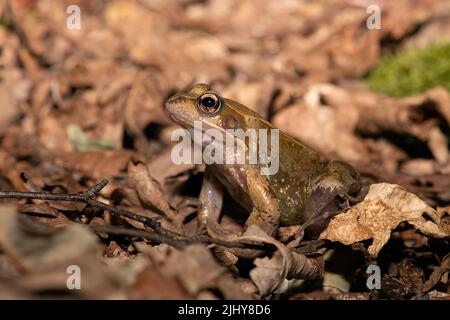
(200, 103)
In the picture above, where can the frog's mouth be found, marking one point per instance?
(189, 125)
(182, 121)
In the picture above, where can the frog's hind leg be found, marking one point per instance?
(352, 184)
(332, 193)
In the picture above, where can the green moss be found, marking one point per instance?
(83, 143)
(4, 23)
(412, 71)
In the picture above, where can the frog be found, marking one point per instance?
(305, 188)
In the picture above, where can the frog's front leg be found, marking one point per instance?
(210, 206)
(265, 209)
(265, 212)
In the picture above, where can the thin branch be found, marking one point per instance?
(120, 231)
(88, 198)
(223, 243)
(161, 234)
(179, 242)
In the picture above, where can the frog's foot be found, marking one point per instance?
(266, 221)
(216, 231)
(226, 258)
(187, 202)
(358, 196)
(318, 221)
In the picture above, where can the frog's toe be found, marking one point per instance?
(187, 202)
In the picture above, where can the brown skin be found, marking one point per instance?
(303, 191)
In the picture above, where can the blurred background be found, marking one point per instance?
(313, 68)
(76, 104)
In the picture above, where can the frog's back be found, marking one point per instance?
(298, 166)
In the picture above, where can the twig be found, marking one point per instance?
(88, 198)
(120, 231)
(178, 242)
(161, 234)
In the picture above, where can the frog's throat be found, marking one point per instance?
(181, 121)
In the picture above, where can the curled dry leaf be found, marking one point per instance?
(110, 80)
(43, 212)
(438, 144)
(142, 31)
(440, 274)
(438, 295)
(166, 172)
(149, 190)
(39, 209)
(418, 167)
(382, 210)
(270, 273)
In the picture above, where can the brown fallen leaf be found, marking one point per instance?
(44, 253)
(12, 91)
(194, 267)
(45, 213)
(39, 209)
(254, 95)
(382, 210)
(439, 274)
(298, 62)
(331, 109)
(411, 275)
(167, 173)
(418, 167)
(97, 164)
(437, 295)
(235, 289)
(270, 273)
(152, 284)
(149, 190)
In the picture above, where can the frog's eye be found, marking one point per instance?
(209, 103)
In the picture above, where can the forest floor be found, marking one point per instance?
(79, 106)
